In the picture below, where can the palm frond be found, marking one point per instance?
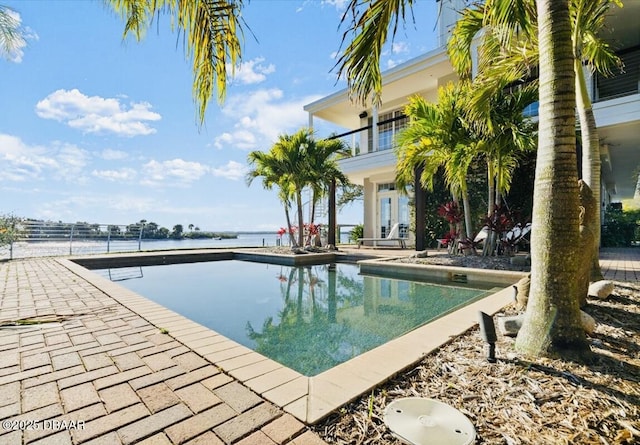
(212, 30)
(11, 34)
(459, 46)
(368, 30)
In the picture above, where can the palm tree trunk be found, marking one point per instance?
(291, 237)
(300, 219)
(552, 319)
(312, 217)
(331, 235)
(467, 214)
(491, 200)
(490, 241)
(591, 163)
(467, 218)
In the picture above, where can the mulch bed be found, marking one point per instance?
(516, 400)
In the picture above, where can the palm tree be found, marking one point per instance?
(437, 136)
(553, 320)
(293, 151)
(502, 135)
(213, 31)
(509, 53)
(11, 33)
(267, 166)
(322, 165)
(287, 166)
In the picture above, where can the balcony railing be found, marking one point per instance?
(620, 84)
(383, 132)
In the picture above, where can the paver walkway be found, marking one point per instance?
(621, 264)
(97, 373)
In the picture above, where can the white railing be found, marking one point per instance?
(47, 238)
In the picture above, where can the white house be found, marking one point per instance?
(616, 103)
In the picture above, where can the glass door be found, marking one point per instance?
(393, 208)
(385, 216)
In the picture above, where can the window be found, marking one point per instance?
(388, 186)
(389, 124)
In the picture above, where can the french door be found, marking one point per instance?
(393, 208)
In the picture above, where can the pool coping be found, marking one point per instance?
(309, 399)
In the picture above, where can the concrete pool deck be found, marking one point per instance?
(103, 372)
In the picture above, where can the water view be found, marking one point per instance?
(307, 318)
(28, 249)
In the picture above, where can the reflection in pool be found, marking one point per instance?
(309, 318)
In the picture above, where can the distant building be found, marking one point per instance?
(616, 104)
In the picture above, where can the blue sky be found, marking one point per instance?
(97, 129)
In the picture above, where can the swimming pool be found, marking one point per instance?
(308, 318)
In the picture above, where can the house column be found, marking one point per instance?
(369, 206)
(311, 121)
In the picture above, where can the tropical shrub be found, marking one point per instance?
(621, 227)
(356, 233)
(9, 229)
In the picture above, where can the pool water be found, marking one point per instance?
(308, 318)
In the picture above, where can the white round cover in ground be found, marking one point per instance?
(420, 421)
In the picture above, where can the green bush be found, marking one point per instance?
(356, 233)
(620, 228)
(9, 229)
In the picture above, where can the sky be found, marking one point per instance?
(104, 130)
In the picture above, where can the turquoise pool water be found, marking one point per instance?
(308, 318)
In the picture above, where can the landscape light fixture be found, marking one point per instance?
(488, 333)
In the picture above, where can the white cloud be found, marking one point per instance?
(391, 63)
(243, 139)
(173, 172)
(232, 170)
(123, 174)
(260, 117)
(340, 5)
(96, 114)
(253, 71)
(72, 161)
(400, 47)
(77, 206)
(113, 155)
(22, 162)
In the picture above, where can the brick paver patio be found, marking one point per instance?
(94, 372)
(97, 373)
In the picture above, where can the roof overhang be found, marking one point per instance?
(419, 75)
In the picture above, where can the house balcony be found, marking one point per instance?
(621, 84)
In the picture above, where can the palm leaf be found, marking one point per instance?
(212, 33)
(368, 30)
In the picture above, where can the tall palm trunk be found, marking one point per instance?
(312, 215)
(590, 162)
(300, 218)
(491, 179)
(490, 241)
(552, 319)
(331, 233)
(466, 207)
(289, 231)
